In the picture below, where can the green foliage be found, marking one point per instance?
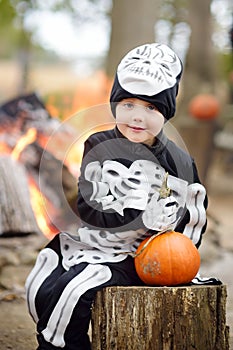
(15, 35)
(7, 13)
(12, 30)
(226, 64)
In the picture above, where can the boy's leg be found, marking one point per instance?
(124, 274)
(64, 321)
(75, 335)
(46, 300)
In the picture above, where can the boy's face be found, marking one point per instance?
(139, 121)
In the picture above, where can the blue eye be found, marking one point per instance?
(151, 108)
(128, 105)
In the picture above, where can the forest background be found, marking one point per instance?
(67, 52)
(55, 46)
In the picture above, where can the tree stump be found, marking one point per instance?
(160, 318)
(16, 214)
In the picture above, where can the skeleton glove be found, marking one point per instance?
(160, 213)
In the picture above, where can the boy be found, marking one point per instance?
(119, 201)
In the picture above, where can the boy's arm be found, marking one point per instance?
(91, 211)
(93, 214)
(194, 222)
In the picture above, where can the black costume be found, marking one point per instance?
(118, 191)
(59, 295)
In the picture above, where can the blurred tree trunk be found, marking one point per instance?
(199, 77)
(24, 67)
(24, 55)
(133, 24)
(200, 69)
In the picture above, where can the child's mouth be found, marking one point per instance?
(136, 128)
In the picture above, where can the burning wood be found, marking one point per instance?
(17, 216)
(25, 208)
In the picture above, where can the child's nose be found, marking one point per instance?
(138, 114)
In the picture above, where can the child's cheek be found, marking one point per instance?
(156, 124)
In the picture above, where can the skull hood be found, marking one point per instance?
(150, 72)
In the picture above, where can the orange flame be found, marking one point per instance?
(92, 91)
(89, 92)
(25, 140)
(39, 204)
(4, 148)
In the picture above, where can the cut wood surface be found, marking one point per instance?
(16, 214)
(160, 318)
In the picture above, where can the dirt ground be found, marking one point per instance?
(17, 330)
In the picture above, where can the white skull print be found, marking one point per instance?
(149, 69)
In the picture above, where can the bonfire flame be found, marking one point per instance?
(25, 140)
(38, 201)
(39, 205)
(92, 92)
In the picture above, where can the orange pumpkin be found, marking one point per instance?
(204, 106)
(169, 259)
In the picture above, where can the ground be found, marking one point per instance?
(17, 330)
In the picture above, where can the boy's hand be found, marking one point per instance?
(160, 213)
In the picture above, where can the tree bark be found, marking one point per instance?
(160, 318)
(16, 214)
(133, 23)
(201, 70)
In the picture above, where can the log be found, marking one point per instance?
(16, 214)
(160, 318)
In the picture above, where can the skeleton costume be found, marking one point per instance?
(118, 193)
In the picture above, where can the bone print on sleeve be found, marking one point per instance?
(196, 206)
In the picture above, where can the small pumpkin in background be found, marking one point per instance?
(204, 106)
(168, 259)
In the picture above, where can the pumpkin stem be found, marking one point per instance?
(134, 255)
(164, 191)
